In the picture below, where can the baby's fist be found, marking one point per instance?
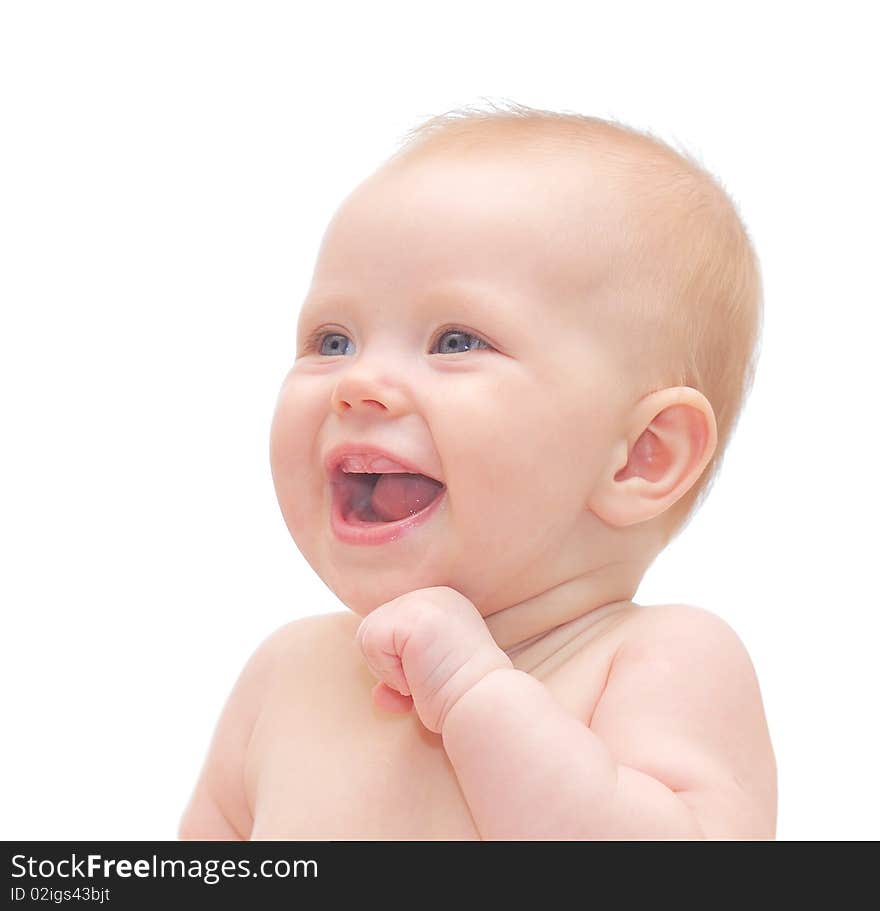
(431, 644)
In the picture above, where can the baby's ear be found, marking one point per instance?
(670, 439)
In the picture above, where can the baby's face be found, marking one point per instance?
(449, 323)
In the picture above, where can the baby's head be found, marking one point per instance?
(553, 315)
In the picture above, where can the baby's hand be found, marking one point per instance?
(431, 645)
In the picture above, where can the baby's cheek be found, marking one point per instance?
(524, 469)
(293, 452)
(298, 413)
(283, 455)
(488, 446)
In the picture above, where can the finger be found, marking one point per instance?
(390, 700)
(383, 660)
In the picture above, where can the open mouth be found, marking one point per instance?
(383, 498)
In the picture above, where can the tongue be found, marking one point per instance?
(397, 496)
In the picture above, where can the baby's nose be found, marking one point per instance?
(368, 391)
(345, 405)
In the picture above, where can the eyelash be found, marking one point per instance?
(313, 342)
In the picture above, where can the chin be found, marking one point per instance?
(367, 592)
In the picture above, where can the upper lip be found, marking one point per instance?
(334, 457)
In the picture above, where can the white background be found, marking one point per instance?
(167, 172)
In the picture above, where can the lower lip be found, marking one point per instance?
(354, 531)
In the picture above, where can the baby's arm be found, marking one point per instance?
(218, 808)
(677, 747)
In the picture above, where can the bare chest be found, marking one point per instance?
(324, 763)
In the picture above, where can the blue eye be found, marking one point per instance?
(460, 341)
(337, 343)
(327, 342)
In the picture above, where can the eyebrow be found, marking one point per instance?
(488, 305)
(324, 301)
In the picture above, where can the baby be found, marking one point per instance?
(526, 342)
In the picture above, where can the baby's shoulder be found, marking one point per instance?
(321, 649)
(684, 642)
(305, 635)
(221, 806)
(682, 703)
(678, 619)
(321, 639)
